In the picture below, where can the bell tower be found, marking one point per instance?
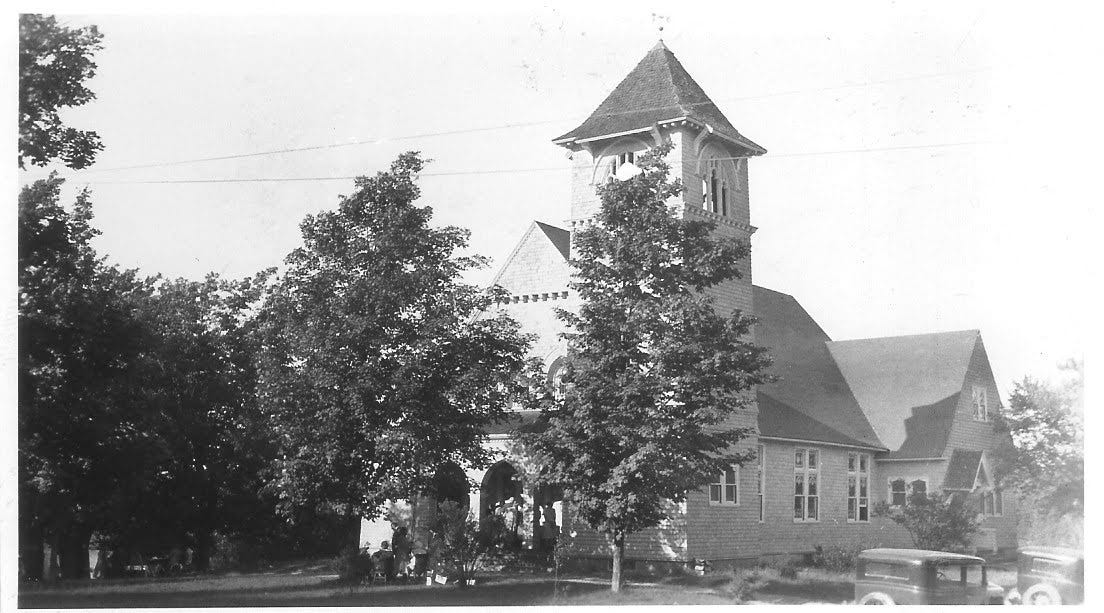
(660, 102)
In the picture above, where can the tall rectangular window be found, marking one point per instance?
(761, 470)
(981, 403)
(858, 487)
(726, 490)
(806, 485)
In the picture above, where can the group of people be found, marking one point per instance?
(399, 558)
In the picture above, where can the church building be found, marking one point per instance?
(846, 425)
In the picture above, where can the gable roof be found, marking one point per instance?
(809, 382)
(962, 470)
(543, 248)
(659, 89)
(892, 376)
(560, 238)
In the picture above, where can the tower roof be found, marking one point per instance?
(657, 91)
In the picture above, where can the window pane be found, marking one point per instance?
(897, 499)
(714, 493)
(852, 508)
(759, 456)
(864, 512)
(897, 486)
(999, 497)
(851, 487)
(812, 459)
(799, 485)
(730, 475)
(799, 504)
(759, 484)
(989, 503)
(761, 508)
(812, 507)
(812, 485)
(862, 462)
(862, 486)
(799, 458)
(919, 486)
(730, 493)
(852, 462)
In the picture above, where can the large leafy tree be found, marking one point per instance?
(54, 64)
(198, 395)
(377, 363)
(656, 370)
(1045, 458)
(80, 343)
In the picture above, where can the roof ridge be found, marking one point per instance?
(878, 338)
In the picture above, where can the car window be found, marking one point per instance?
(959, 575)
(886, 571)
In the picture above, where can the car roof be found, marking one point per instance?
(1058, 553)
(916, 556)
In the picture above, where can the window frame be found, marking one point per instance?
(861, 476)
(981, 409)
(908, 488)
(805, 469)
(761, 472)
(723, 484)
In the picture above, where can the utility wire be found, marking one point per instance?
(370, 141)
(217, 180)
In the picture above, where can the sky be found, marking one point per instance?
(923, 171)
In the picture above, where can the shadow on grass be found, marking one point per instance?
(803, 591)
(505, 593)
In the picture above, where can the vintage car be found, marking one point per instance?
(1049, 575)
(917, 576)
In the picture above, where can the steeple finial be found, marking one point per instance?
(660, 21)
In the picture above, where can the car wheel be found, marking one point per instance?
(1042, 594)
(876, 598)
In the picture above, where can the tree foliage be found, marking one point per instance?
(80, 343)
(655, 372)
(377, 363)
(54, 64)
(1045, 461)
(935, 521)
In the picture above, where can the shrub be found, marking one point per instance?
(461, 547)
(835, 558)
(935, 521)
(353, 566)
(744, 583)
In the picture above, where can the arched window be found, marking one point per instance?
(556, 378)
(718, 177)
(713, 187)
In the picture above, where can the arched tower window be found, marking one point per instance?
(718, 176)
(556, 378)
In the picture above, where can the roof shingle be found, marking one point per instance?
(897, 376)
(658, 89)
(962, 470)
(808, 379)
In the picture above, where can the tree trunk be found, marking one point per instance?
(618, 556)
(201, 557)
(351, 540)
(31, 552)
(74, 552)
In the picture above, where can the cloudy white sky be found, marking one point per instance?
(919, 175)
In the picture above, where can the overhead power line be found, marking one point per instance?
(507, 126)
(217, 180)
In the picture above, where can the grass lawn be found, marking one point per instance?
(312, 585)
(312, 590)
